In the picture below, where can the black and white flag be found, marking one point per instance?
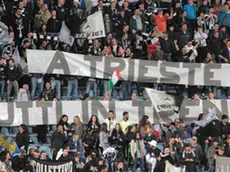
(93, 27)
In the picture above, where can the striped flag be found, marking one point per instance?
(114, 79)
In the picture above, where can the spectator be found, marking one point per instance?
(212, 153)
(45, 14)
(23, 94)
(22, 137)
(2, 78)
(188, 158)
(99, 7)
(43, 156)
(19, 161)
(64, 122)
(48, 93)
(227, 147)
(5, 163)
(161, 20)
(225, 127)
(138, 151)
(115, 50)
(103, 137)
(125, 122)
(191, 10)
(158, 53)
(136, 21)
(13, 74)
(110, 121)
(53, 24)
(65, 156)
(58, 140)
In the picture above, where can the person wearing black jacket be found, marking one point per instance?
(53, 24)
(65, 156)
(23, 138)
(225, 127)
(188, 158)
(2, 78)
(166, 157)
(58, 140)
(48, 93)
(227, 147)
(13, 74)
(19, 161)
(117, 138)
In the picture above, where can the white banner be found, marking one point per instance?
(57, 62)
(37, 113)
(93, 27)
(222, 164)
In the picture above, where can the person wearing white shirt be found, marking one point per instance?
(200, 37)
(191, 51)
(110, 121)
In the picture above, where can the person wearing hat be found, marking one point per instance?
(197, 150)
(212, 152)
(153, 155)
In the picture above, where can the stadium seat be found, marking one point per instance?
(5, 131)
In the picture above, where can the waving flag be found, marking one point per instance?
(65, 36)
(114, 79)
(8, 143)
(208, 118)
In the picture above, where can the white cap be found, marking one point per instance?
(153, 143)
(76, 1)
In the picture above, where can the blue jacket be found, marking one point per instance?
(222, 16)
(190, 10)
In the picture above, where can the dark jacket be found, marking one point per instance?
(13, 74)
(53, 25)
(23, 139)
(213, 129)
(189, 165)
(227, 150)
(58, 140)
(18, 163)
(48, 95)
(117, 138)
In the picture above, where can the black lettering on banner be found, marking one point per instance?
(143, 69)
(108, 69)
(169, 77)
(191, 71)
(59, 62)
(11, 115)
(141, 107)
(85, 112)
(44, 106)
(98, 106)
(208, 75)
(25, 110)
(93, 64)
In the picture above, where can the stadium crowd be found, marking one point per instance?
(167, 30)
